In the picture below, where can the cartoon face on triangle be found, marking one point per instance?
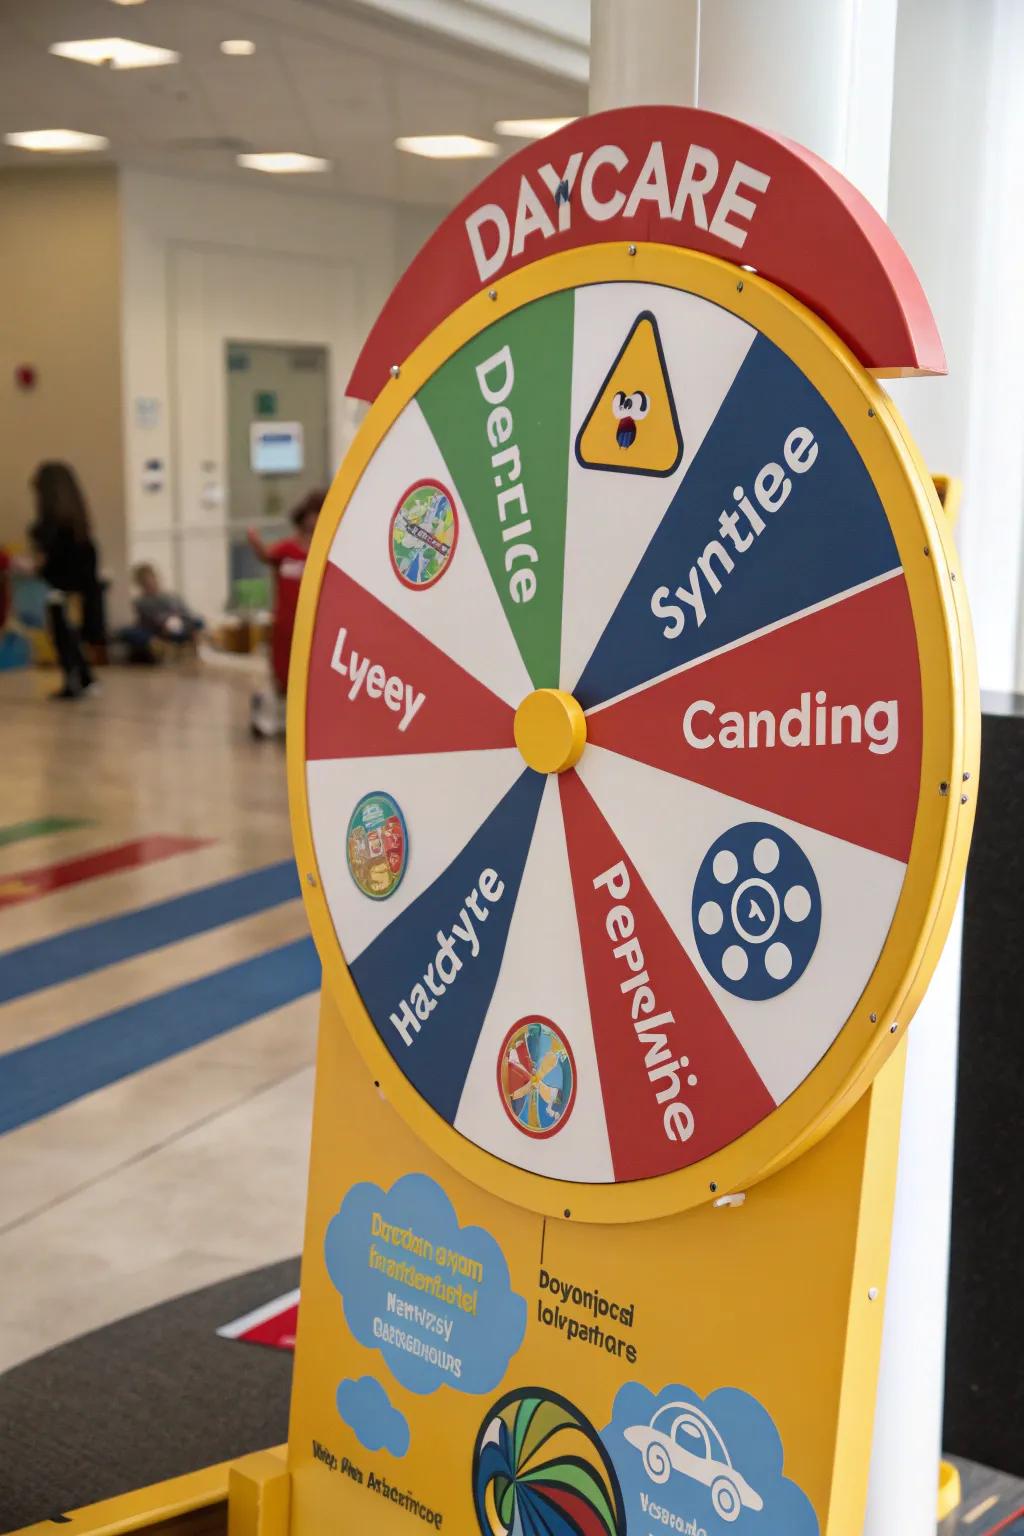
(632, 425)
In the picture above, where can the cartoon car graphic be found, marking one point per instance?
(680, 1438)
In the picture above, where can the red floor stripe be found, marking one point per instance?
(30, 883)
(273, 1324)
(1004, 1525)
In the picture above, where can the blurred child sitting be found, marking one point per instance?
(159, 616)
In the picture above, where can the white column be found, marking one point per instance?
(955, 200)
(957, 168)
(903, 1484)
(643, 53)
(822, 72)
(817, 71)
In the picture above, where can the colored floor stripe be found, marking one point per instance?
(19, 831)
(1008, 1526)
(43, 1077)
(272, 1324)
(31, 883)
(90, 947)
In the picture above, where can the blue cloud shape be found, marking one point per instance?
(714, 1465)
(366, 1408)
(435, 1298)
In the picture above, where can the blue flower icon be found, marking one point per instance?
(756, 910)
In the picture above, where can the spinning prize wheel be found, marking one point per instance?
(627, 738)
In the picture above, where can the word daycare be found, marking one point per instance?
(606, 184)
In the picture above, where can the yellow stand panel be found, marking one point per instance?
(780, 1296)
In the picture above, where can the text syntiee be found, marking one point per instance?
(740, 527)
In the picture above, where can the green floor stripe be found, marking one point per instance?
(20, 830)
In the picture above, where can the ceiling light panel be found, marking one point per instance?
(447, 146)
(531, 127)
(238, 47)
(115, 52)
(283, 163)
(58, 141)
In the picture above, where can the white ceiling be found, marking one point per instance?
(335, 78)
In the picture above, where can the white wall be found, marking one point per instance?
(993, 526)
(415, 226)
(61, 286)
(203, 263)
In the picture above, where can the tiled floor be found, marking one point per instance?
(192, 1168)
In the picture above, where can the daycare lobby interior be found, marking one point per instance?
(204, 205)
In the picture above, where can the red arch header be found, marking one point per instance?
(683, 177)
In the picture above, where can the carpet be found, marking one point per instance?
(150, 1397)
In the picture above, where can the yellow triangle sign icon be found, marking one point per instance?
(632, 425)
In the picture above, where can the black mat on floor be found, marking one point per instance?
(984, 1415)
(152, 1396)
(990, 1502)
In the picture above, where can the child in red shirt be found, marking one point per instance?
(5, 565)
(288, 558)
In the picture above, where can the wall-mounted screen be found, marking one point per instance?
(275, 447)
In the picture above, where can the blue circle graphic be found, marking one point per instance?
(756, 911)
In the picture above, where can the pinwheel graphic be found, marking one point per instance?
(540, 1467)
(537, 1076)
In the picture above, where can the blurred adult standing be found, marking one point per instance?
(66, 559)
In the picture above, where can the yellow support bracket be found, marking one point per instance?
(950, 1491)
(950, 492)
(191, 1505)
(259, 1495)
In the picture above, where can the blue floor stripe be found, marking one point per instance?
(89, 948)
(40, 1078)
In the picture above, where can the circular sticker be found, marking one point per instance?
(537, 1076)
(378, 845)
(756, 911)
(540, 1466)
(423, 535)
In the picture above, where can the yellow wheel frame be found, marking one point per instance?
(951, 731)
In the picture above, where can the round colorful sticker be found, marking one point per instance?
(537, 1076)
(423, 535)
(540, 1466)
(756, 910)
(378, 845)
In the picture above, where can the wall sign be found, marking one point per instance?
(276, 447)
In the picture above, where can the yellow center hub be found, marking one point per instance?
(550, 730)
